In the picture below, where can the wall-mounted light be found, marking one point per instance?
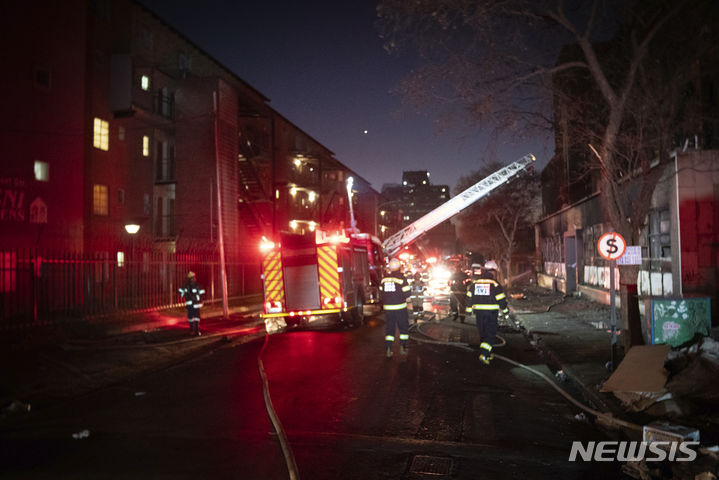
(293, 224)
(298, 162)
(311, 196)
(293, 191)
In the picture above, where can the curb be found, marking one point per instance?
(588, 392)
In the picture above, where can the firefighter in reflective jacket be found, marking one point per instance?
(395, 290)
(191, 291)
(486, 298)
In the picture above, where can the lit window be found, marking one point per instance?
(120, 259)
(145, 146)
(145, 82)
(101, 134)
(42, 171)
(99, 200)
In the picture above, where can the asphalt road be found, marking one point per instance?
(348, 412)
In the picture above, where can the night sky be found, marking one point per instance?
(322, 65)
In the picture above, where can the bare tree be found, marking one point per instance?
(494, 225)
(497, 62)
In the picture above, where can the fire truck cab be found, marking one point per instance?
(319, 280)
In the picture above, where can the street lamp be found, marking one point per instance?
(132, 229)
(350, 183)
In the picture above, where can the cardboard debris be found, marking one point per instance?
(642, 370)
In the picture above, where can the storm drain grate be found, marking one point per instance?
(429, 465)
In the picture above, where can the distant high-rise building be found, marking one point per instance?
(413, 198)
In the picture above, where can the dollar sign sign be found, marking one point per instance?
(612, 242)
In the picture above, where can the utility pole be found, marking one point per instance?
(220, 221)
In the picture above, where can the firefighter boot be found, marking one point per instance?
(485, 355)
(389, 352)
(403, 350)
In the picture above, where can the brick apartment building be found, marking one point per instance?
(113, 118)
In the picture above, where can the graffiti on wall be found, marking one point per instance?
(12, 200)
(676, 321)
(14, 208)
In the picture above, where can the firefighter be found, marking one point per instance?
(418, 289)
(486, 298)
(192, 292)
(458, 296)
(394, 291)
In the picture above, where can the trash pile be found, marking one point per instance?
(669, 383)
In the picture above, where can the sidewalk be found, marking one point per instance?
(575, 336)
(50, 364)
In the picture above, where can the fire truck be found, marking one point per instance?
(334, 276)
(322, 280)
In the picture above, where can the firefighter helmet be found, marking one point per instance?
(491, 265)
(190, 274)
(476, 268)
(394, 264)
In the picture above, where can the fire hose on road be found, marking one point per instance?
(606, 418)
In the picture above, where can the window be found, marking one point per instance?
(121, 196)
(145, 82)
(8, 271)
(145, 146)
(101, 134)
(166, 102)
(120, 259)
(657, 246)
(99, 200)
(42, 171)
(121, 133)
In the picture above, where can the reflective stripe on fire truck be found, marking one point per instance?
(329, 277)
(274, 286)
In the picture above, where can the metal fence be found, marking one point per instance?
(39, 287)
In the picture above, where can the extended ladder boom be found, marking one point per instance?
(454, 205)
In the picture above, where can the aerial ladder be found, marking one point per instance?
(453, 206)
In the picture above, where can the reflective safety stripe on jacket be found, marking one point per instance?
(192, 296)
(394, 291)
(399, 306)
(486, 294)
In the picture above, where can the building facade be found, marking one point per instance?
(130, 156)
